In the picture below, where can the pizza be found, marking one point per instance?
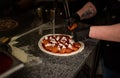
(60, 44)
(7, 24)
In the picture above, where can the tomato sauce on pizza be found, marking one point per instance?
(60, 43)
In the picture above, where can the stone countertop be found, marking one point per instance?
(51, 66)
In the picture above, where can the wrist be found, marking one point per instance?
(76, 16)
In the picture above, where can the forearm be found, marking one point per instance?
(109, 33)
(87, 11)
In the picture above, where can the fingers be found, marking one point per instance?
(74, 26)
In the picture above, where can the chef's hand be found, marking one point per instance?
(78, 26)
(74, 23)
(71, 21)
(81, 29)
(74, 18)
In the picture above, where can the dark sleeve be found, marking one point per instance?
(99, 4)
(77, 4)
(83, 2)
